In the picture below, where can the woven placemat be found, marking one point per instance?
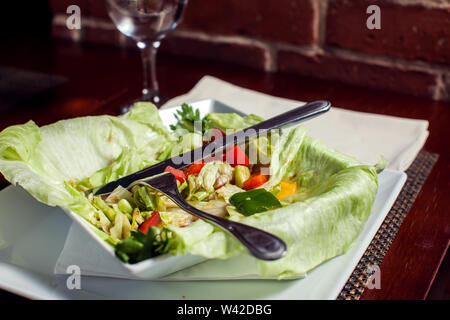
(375, 252)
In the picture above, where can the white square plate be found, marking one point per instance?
(32, 236)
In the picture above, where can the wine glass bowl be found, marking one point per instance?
(144, 20)
(147, 22)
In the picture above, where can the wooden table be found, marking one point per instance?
(100, 79)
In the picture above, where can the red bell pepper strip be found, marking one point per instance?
(255, 181)
(236, 156)
(194, 168)
(179, 174)
(153, 221)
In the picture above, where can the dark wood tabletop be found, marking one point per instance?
(100, 79)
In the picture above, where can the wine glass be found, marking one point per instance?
(147, 22)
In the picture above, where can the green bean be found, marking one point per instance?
(129, 246)
(107, 210)
(125, 207)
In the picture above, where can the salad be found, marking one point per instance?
(313, 197)
(139, 220)
(217, 188)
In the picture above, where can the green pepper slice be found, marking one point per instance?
(254, 201)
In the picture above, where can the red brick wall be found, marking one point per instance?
(319, 38)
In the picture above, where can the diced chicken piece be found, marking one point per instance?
(214, 207)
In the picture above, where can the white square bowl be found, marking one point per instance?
(160, 266)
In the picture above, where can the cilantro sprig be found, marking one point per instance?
(186, 117)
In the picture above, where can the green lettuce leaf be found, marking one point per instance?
(54, 162)
(321, 221)
(231, 121)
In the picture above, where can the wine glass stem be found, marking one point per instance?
(150, 91)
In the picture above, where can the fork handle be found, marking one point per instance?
(289, 118)
(259, 243)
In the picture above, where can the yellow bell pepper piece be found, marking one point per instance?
(287, 188)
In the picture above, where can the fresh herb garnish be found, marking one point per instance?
(186, 117)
